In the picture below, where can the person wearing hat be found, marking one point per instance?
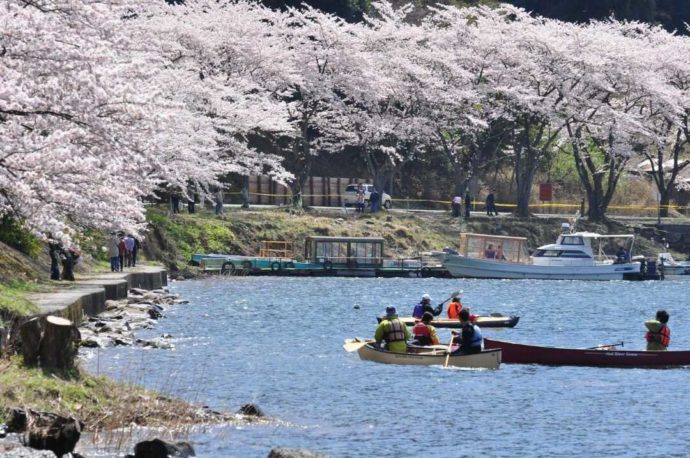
(470, 337)
(425, 306)
(455, 307)
(393, 332)
(423, 333)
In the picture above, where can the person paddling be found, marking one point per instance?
(393, 332)
(425, 306)
(658, 333)
(455, 307)
(423, 333)
(470, 338)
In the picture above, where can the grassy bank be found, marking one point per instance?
(100, 403)
(13, 300)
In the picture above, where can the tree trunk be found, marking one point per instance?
(30, 333)
(664, 201)
(596, 211)
(58, 349)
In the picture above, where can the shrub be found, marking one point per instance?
(12, 234)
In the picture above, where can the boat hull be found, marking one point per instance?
(516, 353)
(464, 267)
(489, 359)
(481, 321)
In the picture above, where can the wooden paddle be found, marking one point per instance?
(450, 348)
(355, 344)
(619, 344)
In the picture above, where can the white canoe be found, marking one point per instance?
(488, 359)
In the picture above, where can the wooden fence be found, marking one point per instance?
(318, 191)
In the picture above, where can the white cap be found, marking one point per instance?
(426, 296)
(459, 293)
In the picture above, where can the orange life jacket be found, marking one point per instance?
(454, 309)
(421, 329)
(663, 336)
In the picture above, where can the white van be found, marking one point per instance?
(350, 196)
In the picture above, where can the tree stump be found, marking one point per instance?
(30, 333)
(58, 349)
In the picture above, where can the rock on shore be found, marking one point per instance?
(121, 318)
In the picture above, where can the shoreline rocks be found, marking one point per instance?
(116, 326)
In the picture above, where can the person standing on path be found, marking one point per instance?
(122, 250)
(54, 249)
(468, 204)
(491, 204)
(375, 200)
(70, 257)
(114, 252)
(457, 206)
(360, 198)
(137, 245)
(219, 202)
(191, 203)
(175, 202)
(129, 245)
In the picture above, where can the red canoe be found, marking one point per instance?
(532, 354)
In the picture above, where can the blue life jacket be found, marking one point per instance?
(477, 339)
(418, 310)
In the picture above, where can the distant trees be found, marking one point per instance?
(104, 104)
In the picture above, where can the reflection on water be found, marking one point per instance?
(278, 342)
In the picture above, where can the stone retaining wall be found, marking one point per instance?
(88, 296)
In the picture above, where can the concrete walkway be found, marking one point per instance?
(87, 295)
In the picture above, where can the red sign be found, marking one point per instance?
(546, 192)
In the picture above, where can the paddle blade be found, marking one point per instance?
(355, 344)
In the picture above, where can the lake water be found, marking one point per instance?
(277, 342)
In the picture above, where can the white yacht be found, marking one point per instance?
(574, 256)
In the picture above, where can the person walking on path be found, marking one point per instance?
(468, 204)
(491, 204)
(114, 252)
(658, 333)
(457, 206)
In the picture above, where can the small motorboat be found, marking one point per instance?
(574, 256)
(670, 267)
(604, 355)
(435, 355)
